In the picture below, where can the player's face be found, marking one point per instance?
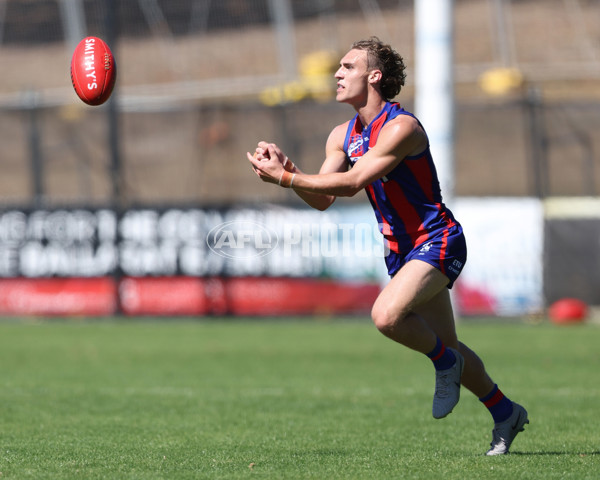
(352, 78)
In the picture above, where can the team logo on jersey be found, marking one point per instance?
(356, 146)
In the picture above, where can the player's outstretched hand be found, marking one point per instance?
(267, 162)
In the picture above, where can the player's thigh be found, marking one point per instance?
(415, 284)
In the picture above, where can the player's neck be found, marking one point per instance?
(370, 110)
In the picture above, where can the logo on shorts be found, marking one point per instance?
(456, 266)
(425, 248)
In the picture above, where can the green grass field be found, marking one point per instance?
(281, 399)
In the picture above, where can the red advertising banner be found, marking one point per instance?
(244, 296)
(184, 296)
(58, 296)
(285, 296)
(172, 296)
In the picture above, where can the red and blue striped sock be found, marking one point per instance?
(442, 358)
(499, 406)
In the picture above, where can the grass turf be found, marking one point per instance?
(284, 399)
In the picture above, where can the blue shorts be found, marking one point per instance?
(446, 250)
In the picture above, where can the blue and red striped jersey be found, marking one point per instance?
(407, 201)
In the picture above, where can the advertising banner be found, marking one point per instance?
(245, 296)
(264, 260)
(58, 296)
(503, 274)
(271, 241)
(572, 249)
(250, 260)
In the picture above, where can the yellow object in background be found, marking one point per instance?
(501, 81)
(316, 81)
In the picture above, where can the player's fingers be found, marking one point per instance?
(282, 157)
(260, 154)
(273, 150)
(253, 162)
(252, 159)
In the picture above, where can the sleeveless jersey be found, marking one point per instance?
(407, 201)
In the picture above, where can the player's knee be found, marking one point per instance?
(385, 320)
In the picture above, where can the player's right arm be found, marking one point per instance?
(335, 161)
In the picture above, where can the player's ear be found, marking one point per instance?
(375, 76)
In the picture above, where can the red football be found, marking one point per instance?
(93, 71)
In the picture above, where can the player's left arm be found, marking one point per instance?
(399, 138)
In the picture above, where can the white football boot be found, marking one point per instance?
(505, 432)
(447, 387)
